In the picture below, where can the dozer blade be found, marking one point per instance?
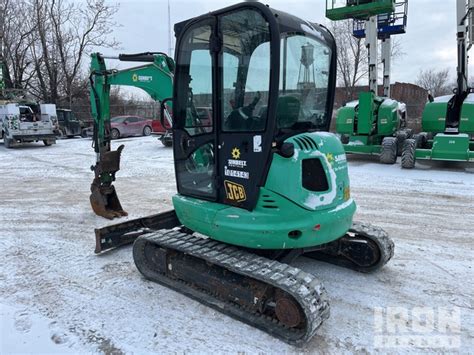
(103, 198)
(117, 235)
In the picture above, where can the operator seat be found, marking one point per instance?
(288, 111)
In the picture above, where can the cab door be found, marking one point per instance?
(245, 133)
(194, 140)
(223, 64)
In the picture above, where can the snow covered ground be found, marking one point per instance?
(56, 296)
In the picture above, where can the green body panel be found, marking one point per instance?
(434, 116)
(283, 207)
(345, 120)
(387, 118)
(467, 118)
(449, 147)
(365, 116)
(368, 110)
(360, 9)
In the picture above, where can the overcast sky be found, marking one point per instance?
(430, 41)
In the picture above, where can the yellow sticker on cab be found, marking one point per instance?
(235, 192)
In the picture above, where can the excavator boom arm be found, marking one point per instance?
(156, 79)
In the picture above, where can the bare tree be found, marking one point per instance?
(18, 37)
(351, 57)
(435, 81)
(47, 42)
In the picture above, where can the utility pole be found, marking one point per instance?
(2, 62)
(169, 31)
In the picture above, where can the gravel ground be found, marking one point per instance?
(57, 296)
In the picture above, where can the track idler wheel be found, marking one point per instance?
(364, 248)
(288, 311)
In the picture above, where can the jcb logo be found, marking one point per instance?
(235, 192)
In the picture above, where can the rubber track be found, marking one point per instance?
(380, 237)
(306, 289)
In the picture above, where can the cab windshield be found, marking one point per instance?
(304, 79)
(304, 83)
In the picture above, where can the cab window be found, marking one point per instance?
(304, 83)
(246, 71)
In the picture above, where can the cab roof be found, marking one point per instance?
(283, 21)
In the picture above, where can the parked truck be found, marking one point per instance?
(68, 125)
(25, 123)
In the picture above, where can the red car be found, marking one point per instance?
(158, 127)
(126, 126)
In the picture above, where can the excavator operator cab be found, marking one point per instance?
(265, 75)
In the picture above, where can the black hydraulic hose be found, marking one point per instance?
(147, 57)
(95, 136)
(140, 57)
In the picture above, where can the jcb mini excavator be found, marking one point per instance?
(259, 185)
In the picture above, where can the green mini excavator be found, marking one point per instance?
(259, 184)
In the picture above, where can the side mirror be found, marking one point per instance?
(164, 111)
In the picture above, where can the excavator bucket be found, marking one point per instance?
(103, 198)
